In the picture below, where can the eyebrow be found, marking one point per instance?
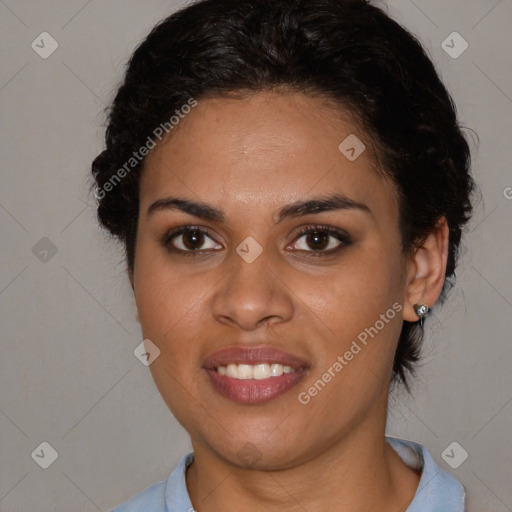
(310, 206)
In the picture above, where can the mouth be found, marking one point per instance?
(258, 371)
(254, 375)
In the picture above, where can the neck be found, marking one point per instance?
(357, 473)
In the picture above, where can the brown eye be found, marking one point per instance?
(192, 240)
(317, 240)
(189, 240)
(322, 239)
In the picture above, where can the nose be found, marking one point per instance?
(252, 294)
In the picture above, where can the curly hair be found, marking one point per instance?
(348, 51)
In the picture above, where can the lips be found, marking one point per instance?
(254, 391)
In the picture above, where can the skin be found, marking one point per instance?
(249, 157)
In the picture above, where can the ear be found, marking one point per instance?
(426, 270)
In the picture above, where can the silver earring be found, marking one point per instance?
(422, 311)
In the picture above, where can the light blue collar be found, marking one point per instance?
(438, 490)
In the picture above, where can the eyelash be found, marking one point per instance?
(341, 235)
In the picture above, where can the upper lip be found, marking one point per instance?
(252, 355)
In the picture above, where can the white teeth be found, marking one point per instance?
(244, 371)
(261, 371)
(257, 371)
(232, 370)
(276, 370)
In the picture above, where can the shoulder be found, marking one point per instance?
(152, 498)
(438, 489)
(168, 495)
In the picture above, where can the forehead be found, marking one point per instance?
(263, 151)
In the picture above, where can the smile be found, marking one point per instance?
(253, 375)
(257, 371)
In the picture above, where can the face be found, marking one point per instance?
(241, 284)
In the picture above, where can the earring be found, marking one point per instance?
(422, 311)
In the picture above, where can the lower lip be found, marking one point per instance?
(253, 391)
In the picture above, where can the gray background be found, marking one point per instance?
(68, 375)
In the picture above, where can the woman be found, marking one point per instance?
(290, 183)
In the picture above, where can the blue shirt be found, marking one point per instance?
(438, 490)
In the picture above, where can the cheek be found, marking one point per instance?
(366, 282)
(163, 297)
(169, 312)
(168, 305)
(358, 306)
